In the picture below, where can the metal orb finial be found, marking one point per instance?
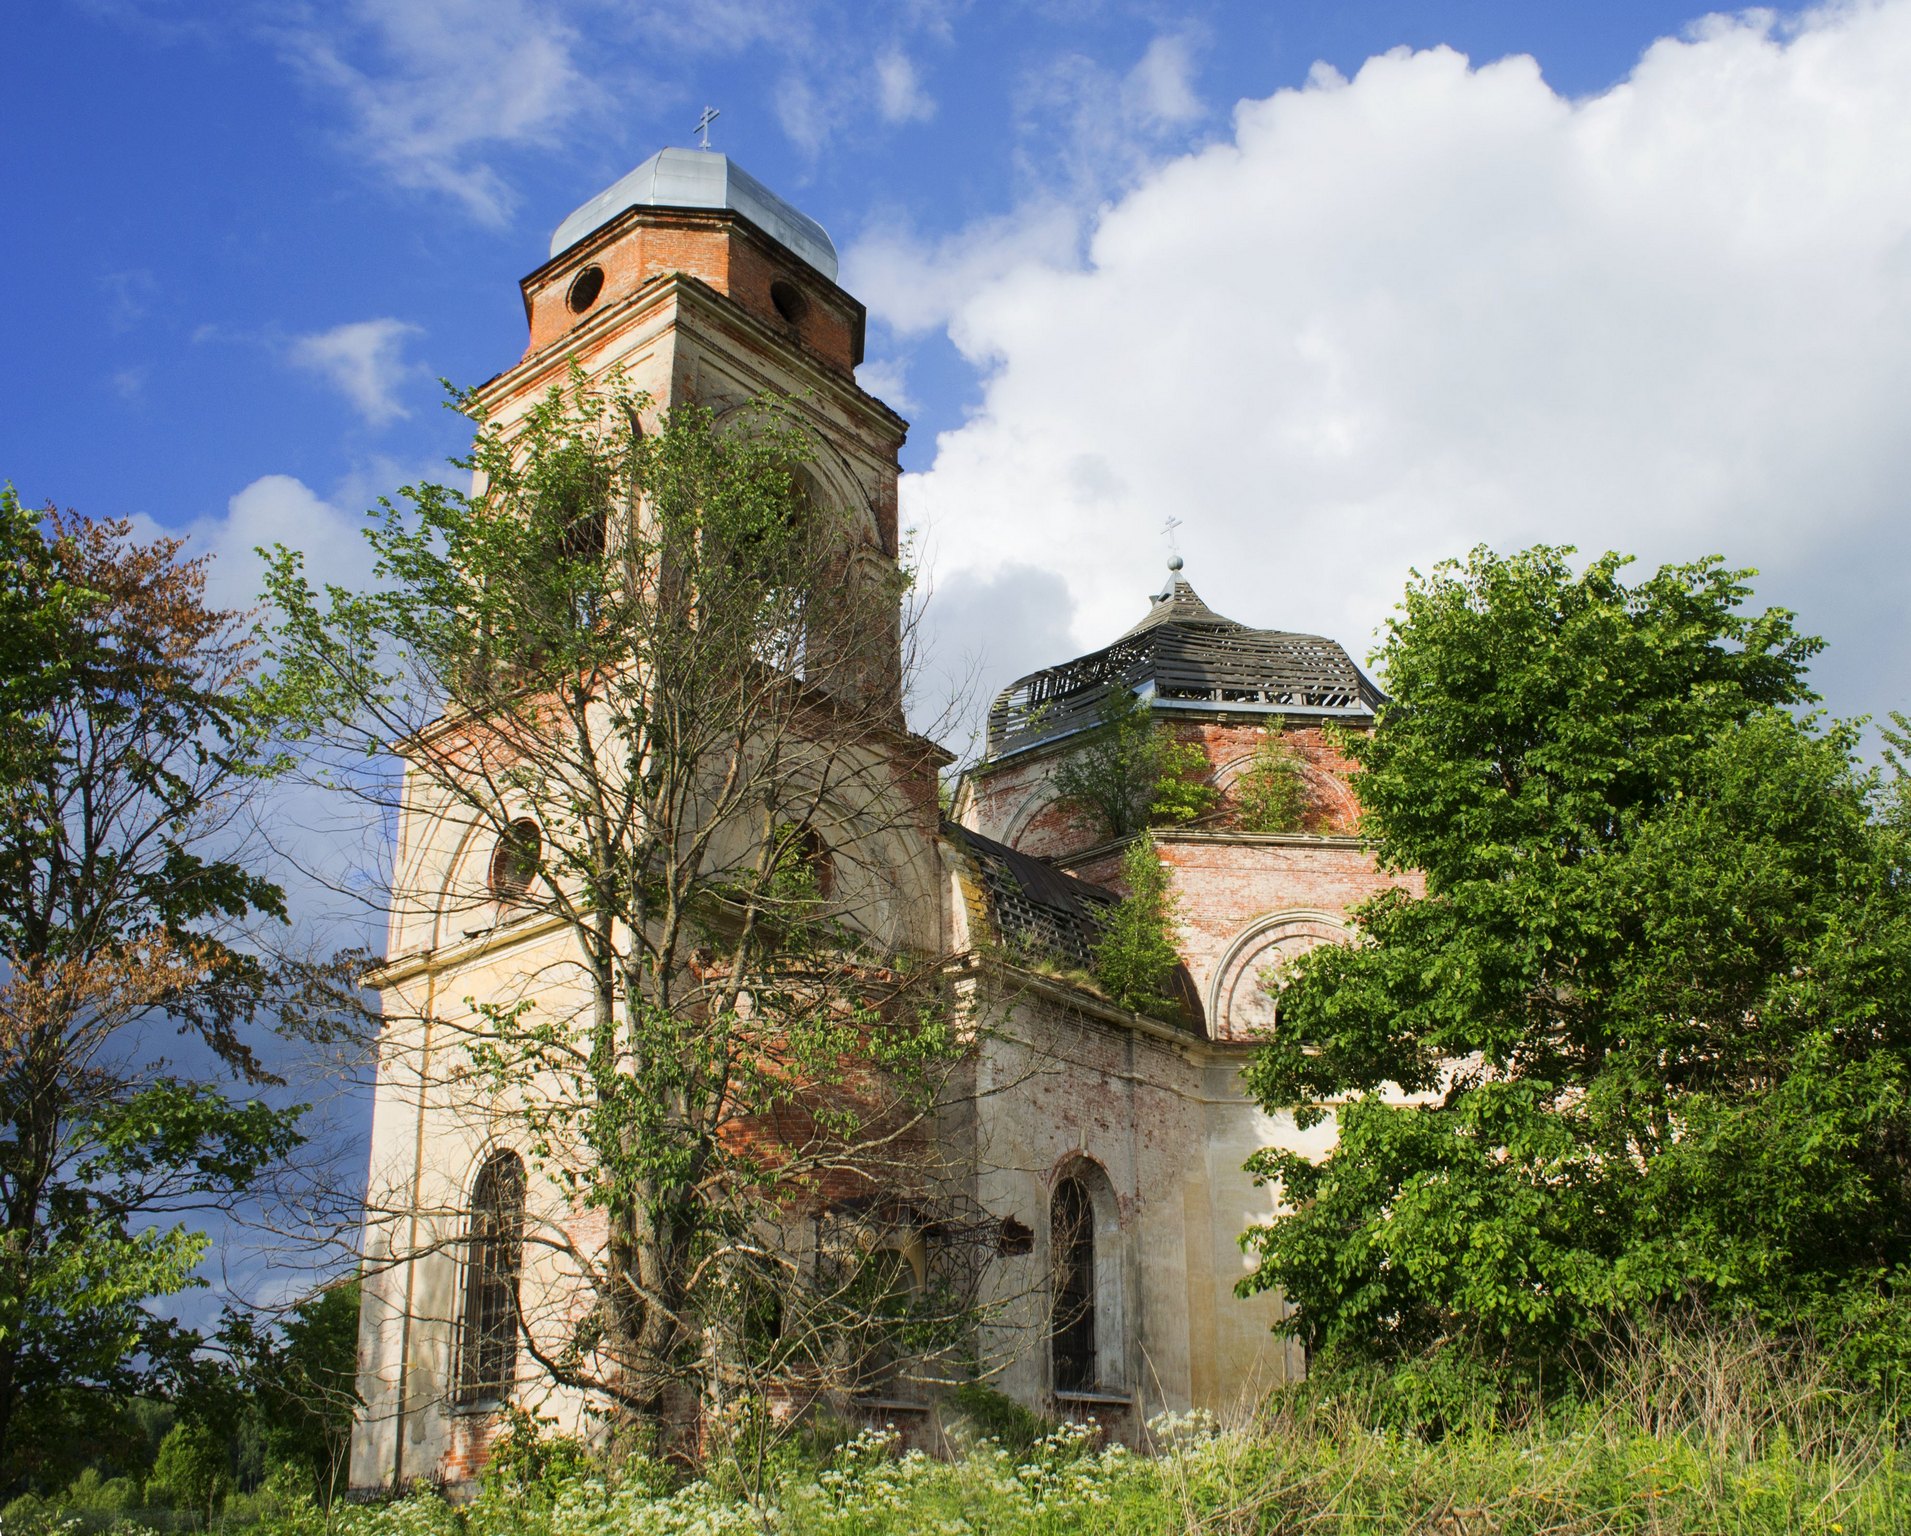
(1174, 562)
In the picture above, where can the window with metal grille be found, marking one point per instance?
(1072, 1256)
(494, 1254)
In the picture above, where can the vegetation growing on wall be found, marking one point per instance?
(1134, 961)
(1270, 794)
(1130, 773)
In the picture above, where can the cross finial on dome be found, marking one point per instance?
(1174, 578)
(1174, 558)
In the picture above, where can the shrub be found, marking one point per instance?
(528, 1458)
(92, 1494)
(980, 1413)
(1129, 773)
(190, 1473)
(1270, 794)
(1135, 959)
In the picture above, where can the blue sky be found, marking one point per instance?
(1345, 287)
(194, 187)
(249, 238)
(1487, 271)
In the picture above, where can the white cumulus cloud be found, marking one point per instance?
(365, 361)
(899, 92)
(276, 509)
(432, 89)
(913, 284)
(1161, 87)
(1439, 304)
(887, 378)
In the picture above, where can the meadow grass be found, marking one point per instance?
(1714, 1432)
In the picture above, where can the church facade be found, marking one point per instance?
(1104, 1146)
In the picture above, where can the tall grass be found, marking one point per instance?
(1706, 1430)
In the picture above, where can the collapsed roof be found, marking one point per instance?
(1185, 656)
(1044, 914)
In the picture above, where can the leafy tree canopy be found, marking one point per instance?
(1653, 1005)
(130, 738)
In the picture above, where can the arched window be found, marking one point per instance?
(1072, 1256)
(804, 870)
(494, 1255)
(890, 1293)
(573, 486)
(514, 860)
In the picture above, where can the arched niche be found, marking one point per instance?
(827, 476)
(1331, 802)
(1038, 799)
(1242, 1007)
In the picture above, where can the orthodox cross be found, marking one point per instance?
(1168, 529)
(710, 115)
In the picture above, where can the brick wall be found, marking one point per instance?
(1014, 801)
(715, 246)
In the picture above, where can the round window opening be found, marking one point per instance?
(514, 860)
(788, 299)
(585, 288)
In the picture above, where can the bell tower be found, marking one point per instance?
(704, 287)
(696, 286)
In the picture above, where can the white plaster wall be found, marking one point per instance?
(1168, 1123)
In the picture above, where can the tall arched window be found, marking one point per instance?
(1072, 1250)
(494, 1254)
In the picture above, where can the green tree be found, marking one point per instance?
(1130, 773)
(649, 636)
(1656, 995)
(130, 741)
(289, 1392)
(190, 1473)
(39, 608)
(1134, 960)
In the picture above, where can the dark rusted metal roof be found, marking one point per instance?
(1035, 905)
(1042, 913)
(1188, 657)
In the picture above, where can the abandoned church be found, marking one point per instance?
(1101, 1148)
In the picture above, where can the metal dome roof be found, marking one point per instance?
(702, 178)
(1187, 657)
